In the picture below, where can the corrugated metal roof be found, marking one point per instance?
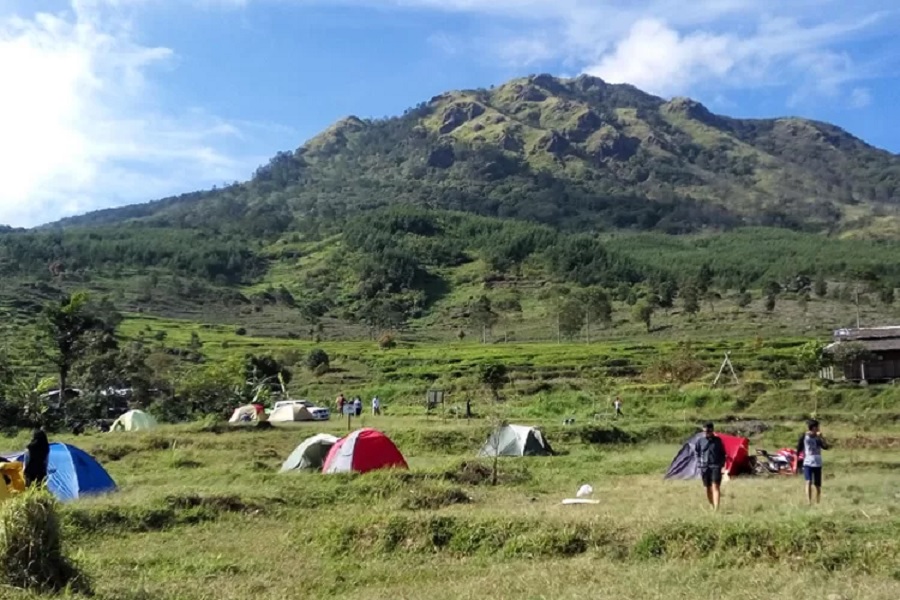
(868, 333)
(882, 345)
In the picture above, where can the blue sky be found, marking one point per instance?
(109, 102)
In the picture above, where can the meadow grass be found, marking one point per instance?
(204, 514)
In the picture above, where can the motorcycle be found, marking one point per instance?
(783, 462)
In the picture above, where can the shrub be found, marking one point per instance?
(31, 551)
(387, 341)
(240, 331)
(316, 359)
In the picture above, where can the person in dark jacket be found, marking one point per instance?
(711, 457)
(37, 454)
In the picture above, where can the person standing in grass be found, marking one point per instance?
(37, 455)
(618, 406)
(376, 406)
(711, 457)
(813, 442)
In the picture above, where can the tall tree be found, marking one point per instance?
(820, 287)
(690, 299)
(597, 307)
(481, 314)
(643, 313)
(68, 330)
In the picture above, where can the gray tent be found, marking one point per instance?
(310, 454)
(516, 440)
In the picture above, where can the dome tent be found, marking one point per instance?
(686, 464)
(310, 454)
(249, 413)
(134, 420)
(362, 451)
(73, 473)
(516, 440)
(290, 413)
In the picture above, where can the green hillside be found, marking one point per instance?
(498, 212)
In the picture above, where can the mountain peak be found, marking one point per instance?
(576, 153)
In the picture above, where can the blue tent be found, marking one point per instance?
(73, 473)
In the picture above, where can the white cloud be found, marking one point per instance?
(860, 97)
(80, 129)
(657, 59)
(674, 46)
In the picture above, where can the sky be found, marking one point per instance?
(111, 102)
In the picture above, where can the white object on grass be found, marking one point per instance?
(585, 491)
(568, 501)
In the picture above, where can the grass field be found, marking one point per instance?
(205, 515)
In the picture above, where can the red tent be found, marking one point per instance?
(361, 451)
(737, 457)
(737, 453)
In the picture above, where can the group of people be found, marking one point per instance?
(357, 405)
(710, 453)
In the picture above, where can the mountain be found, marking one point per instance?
(539, 195)
(572, 153)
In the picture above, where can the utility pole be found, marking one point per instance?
(856, 289)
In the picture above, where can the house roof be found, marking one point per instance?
(867, 333)
(882, 345)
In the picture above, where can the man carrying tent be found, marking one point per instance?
(711, 458)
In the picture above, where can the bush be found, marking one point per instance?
(317, 359)
(387, 342)
(31, 552)
(240, 331)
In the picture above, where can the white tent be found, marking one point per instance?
(310, 454)
(134, 420)
(247, 414)
(290, 413)
(516, 440)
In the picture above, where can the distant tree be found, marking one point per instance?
(571, 316)
(266, 369)
(771, 288)
(482, 315)
(68, 330)
(744, 299)
(317, 359)
(666, 291)
(886, 294)
(811, 357)
(704, 279)
(820, 287)
(596, 306)
(494, 376)
(770, 302)
(690, 299)
(196, 344)
(643, 313)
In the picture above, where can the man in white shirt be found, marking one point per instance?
(376, 406)
(812, 444)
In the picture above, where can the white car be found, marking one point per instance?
(318, 413)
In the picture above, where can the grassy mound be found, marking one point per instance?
(31, 549)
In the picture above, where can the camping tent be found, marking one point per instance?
(310, 454)
(73, 473)
(686, 466)
(361, 451)
(290, 412)
(134, 420)
(516, 440)
(248, 413)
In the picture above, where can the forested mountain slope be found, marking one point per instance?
(576, 153)
(533, 195)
